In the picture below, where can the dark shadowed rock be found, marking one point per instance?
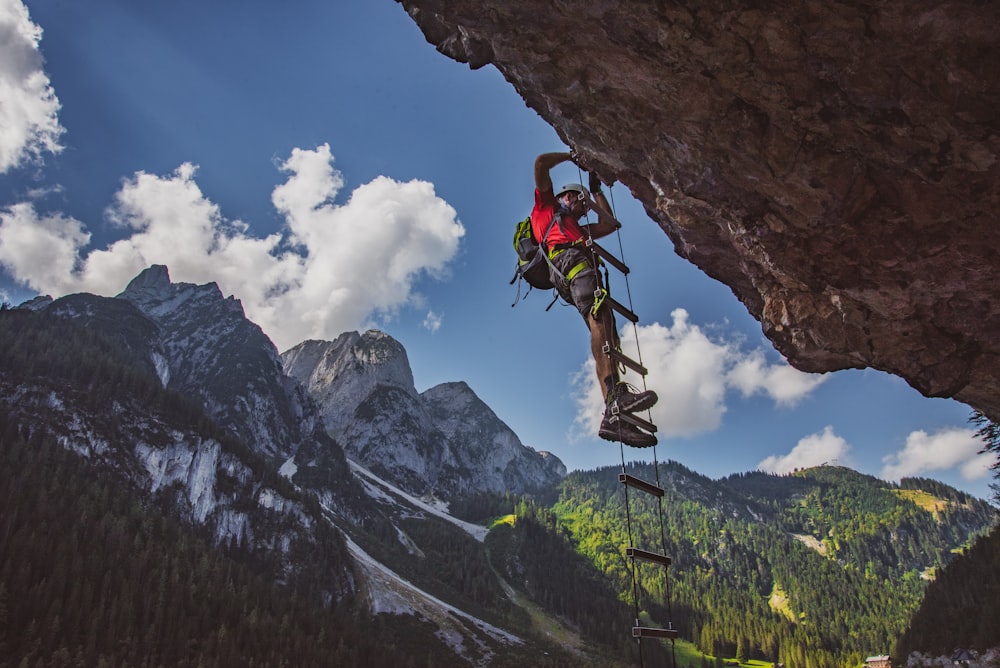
(835, 164)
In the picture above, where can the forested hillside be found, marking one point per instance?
(820, 568)
(99, 566)
(961, 608)
(91, 575)
(97, 569)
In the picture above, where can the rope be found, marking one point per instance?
(631, 541)
(656, 465)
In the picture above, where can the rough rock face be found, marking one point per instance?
(209, 350)
(444, 441)
(835, 164)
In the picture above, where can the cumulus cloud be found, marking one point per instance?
(949, 448)
(692, 375)
(337, 266)
(783, 383)
(812, 450)
(40, 250)
(29, 122)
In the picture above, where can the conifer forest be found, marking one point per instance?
(815, 569)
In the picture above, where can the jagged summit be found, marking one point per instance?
(38, 303)
(445, 440)
(201, 344)
(155, 294)
(370, 359)
(211, 351)
(155, 280)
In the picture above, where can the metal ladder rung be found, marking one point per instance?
(621, 308)
(650, 632)
(640, 484)
(617, 356)
(644, 555)
(607, 256)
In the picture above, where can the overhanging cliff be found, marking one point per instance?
(834, 163)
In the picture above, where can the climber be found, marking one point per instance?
(574, 274)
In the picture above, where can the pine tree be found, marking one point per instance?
(989, 433)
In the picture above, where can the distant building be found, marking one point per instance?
(880, 661)
(962, 656)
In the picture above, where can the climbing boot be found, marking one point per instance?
(629, 401)
(629, 434)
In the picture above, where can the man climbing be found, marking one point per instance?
(555, 221)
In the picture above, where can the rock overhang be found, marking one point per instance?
(835, 164)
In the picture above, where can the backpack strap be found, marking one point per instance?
(557, 218)
(544, 249)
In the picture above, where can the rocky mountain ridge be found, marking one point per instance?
(444, 441)
(185, 400)
(212, 351)
(101, 378)
(200, 344)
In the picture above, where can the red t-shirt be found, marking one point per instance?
(542, 214)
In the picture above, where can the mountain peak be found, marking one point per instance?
(39, 303)
(445, 440)
(152, 281)
(370, 359)
(156, 295)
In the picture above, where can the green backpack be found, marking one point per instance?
(532, 264)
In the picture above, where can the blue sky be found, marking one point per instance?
(324, 164)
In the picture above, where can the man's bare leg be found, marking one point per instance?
(602, 330)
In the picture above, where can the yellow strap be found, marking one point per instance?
(553, 253)
(576, 270)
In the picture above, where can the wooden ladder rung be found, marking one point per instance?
(650, 632)
(634, 420)
(640, 484)
(621, 308)
(607, 256)
(617, 356)
(644, 555)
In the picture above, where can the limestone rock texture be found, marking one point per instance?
(834, 163)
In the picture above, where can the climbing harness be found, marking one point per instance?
(534, 259)
(636, 556)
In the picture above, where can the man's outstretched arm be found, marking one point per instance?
(543, 165)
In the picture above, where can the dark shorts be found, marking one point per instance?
(580, 291)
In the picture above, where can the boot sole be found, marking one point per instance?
(614, 436)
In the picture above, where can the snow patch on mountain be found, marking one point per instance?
(289, 468)
(162, 367)
(475, 530)
(388, 593)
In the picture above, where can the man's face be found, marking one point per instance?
(575, 202)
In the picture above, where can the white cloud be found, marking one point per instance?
(432, 321)
(949, 448)
(340, 265)
(785, 384)
(29, 122)
(813, 450)
(40, 250)
(691, 374)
